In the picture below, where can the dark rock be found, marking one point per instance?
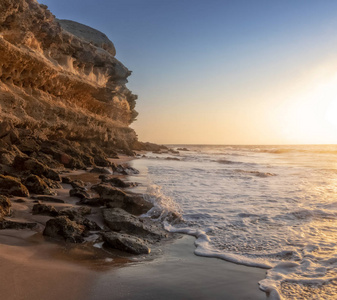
(77, 184)
(100, 171)
(92, 201)
(116, 182)
(172, 158)
(12, 186)
(22, 163)
(116, 198)
(110, 193)
(63, 228)
(71, 214)
(125, 242)
(79, 193)
(84, 210)
(89, 225)
(48, 199)
(51, 174)
(52, 183)
(66, 180)
(36, 185)
(62, 157)
(43, 209)
(77, 216)
(6, 224)
(5, 206)
(135, 204)
(119, 220)
(119, 169)
(28, 146)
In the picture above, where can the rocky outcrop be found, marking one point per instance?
(60, 80)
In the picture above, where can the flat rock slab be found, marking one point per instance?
(125, 242)
(118, 219)
(6, 224)
(116, 198)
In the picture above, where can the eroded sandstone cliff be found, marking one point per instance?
(60, 80)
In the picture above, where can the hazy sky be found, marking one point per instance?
(224, 72)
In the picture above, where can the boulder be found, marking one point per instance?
(62, 228)
(5, 206)
(36, 185)
(77, 184)
(43, 209)
(12, 186)
(109, 193)
(77, 216)
(119, 220)
(116, 198)
(125, 242)
(66, 180)
(79, 193)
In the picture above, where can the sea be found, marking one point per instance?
(272, 207)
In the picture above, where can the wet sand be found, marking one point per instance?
(32, 268)
(179, 274)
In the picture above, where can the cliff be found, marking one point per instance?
(60, 82)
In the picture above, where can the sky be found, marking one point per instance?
(223, 72)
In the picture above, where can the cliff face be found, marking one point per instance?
(60, 79)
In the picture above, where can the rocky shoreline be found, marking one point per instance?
(40, 192)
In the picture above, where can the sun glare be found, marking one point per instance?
(331, 112)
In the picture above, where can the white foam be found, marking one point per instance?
(286, 223)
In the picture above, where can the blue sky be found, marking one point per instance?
(223, 72)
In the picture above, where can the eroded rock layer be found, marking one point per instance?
(60, 79)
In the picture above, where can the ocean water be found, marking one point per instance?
(272, 207)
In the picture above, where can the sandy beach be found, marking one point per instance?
(36, 269)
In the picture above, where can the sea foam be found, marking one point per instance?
(276, 211)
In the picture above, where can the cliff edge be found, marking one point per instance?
(60, 83)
